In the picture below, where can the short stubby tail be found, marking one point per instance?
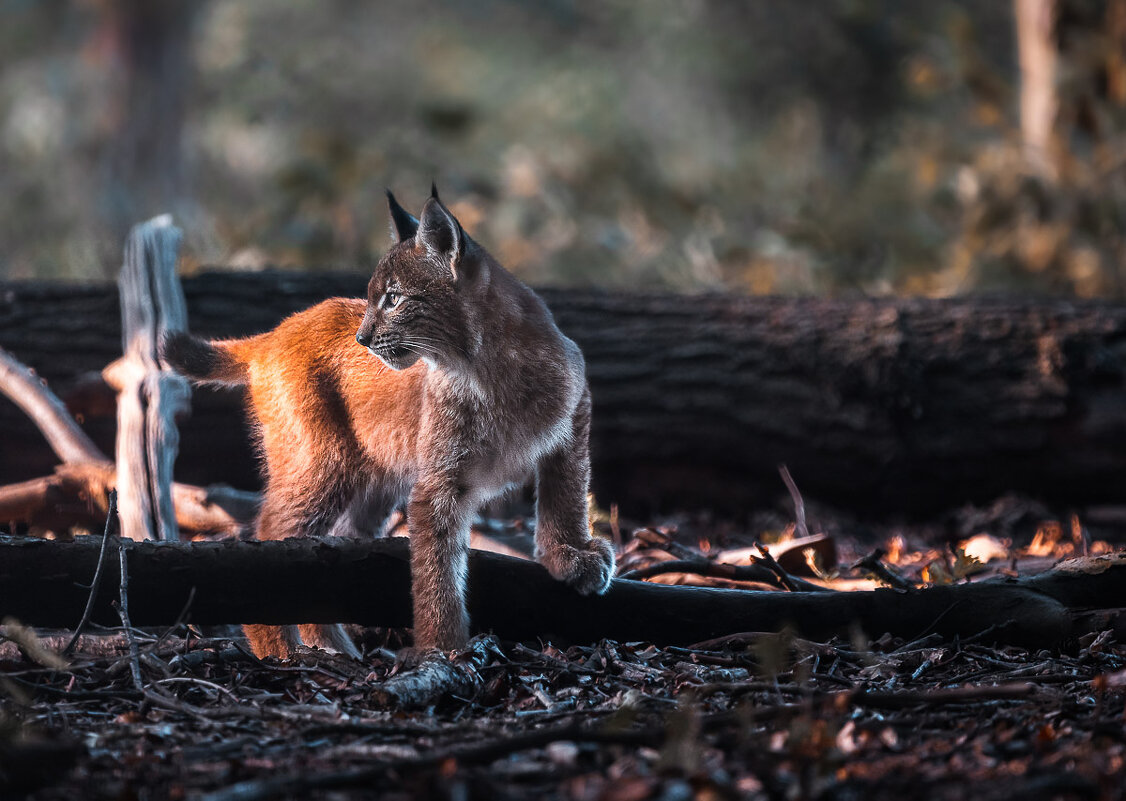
(200, 360)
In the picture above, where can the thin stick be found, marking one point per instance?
(97, 582)
(200, 682)
(768, 561)
(873, 564)
(701, 567)
(158, 698)
(800, 529)
(615, 527)
(179, 619)
(902, 699)
(123, 611)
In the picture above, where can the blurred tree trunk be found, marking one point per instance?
(1072, 56)
(149, 42)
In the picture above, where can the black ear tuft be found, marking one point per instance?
(441, 234)
(405, 225)
(434, 190)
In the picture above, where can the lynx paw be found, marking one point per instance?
(588, 568)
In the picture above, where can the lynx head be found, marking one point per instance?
(420, 299)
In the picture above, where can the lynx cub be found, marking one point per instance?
(460, 387)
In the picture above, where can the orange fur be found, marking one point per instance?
(321, 400)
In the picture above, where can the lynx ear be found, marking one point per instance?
(441, 234)
(405, 225)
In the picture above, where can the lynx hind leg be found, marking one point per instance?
(278, 641)
(367, 512)
(329, 637)
(564, 544)
(301, 508)
(363, 517)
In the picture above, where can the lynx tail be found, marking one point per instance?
(202, 361)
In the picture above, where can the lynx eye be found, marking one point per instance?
(392, 299)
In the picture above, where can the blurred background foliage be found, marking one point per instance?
(870, 146)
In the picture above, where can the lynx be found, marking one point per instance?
(449, 385)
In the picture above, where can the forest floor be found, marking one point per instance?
(760, 716)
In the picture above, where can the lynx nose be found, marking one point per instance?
(363, 339)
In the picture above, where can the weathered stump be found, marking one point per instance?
(149, 394)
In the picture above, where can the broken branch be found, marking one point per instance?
(69, 442)
(87, 474)
(700, 567)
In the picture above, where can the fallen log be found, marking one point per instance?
(889, 405)
(367, 582)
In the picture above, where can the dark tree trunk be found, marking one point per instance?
(150, 44)
(297, 580)
(882, 406)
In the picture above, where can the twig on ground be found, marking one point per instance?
(30, 645)
(746, 639)
(873, 564)
(123, 611)
(179, 620)
(157, 698)
(97, 580)
(201, 683)
(878, 699)
(769, 562)
(702, 567)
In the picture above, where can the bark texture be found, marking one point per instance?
(308, 581)
(885, 405)
(150, 395)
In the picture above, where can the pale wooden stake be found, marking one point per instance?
(149, 396)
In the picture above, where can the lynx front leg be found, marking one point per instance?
(439, 530)
(563, 541)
